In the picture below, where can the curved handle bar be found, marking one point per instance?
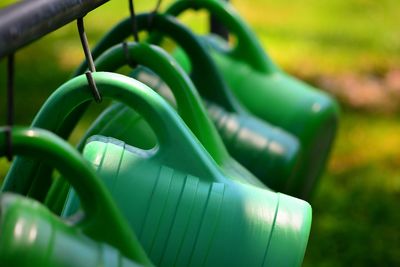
(100, 210)
(164, 121)
(205, 74)
(248, 48)
(189, 103)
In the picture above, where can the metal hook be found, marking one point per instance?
(153, 13)
(10, 106)
(133, 21)
(89, 60)
(218, 28)
(92, 85)
(128, 58)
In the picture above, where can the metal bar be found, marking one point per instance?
(26, 21)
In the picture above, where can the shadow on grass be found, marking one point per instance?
(355, 209)
(356, 218)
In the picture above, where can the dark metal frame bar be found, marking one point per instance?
(27, 21)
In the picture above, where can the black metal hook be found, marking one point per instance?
(218, 28)
(133, 21)
(128, 58)
(10, 106)
(153, 13)
(89, 60)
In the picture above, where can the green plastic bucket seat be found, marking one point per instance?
(269, 93)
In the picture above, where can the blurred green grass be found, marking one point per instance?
(355, 214)
(330, 36)
(355, 210)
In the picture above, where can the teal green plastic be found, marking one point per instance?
(272, 95)
(38, 187)
(249, 215)
(263, 152)
(247, 47)
(187, 220)
(277, 152)
(182, 35)
(189, 104)
(100, 212)
(128, 91)
(123, 123)
(32, 236)
(171, 194)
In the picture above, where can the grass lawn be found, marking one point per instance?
(355, 210)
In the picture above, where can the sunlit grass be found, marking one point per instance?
(328, 36)
(369, 140)
(6, 3)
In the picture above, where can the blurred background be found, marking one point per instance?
(350, 48)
